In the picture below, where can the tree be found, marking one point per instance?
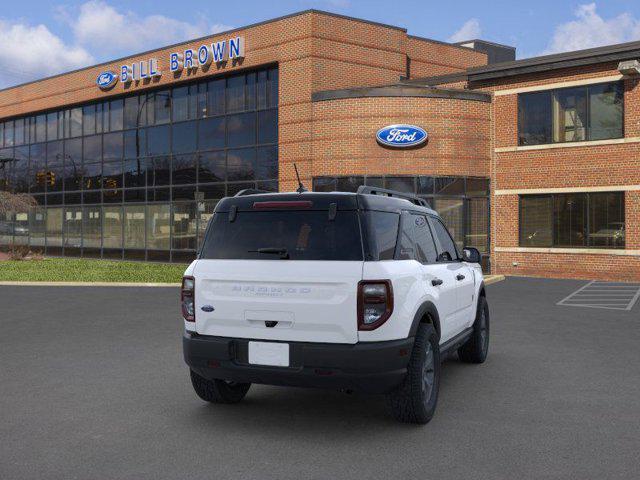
(15, 202)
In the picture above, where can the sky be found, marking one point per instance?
(39, 38)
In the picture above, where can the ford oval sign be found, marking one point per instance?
(401, 136)
(106, 80)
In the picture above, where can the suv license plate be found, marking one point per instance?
(269, 353)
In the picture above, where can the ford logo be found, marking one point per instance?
(401, 136)
(106, 80)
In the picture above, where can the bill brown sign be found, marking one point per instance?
(189, 59)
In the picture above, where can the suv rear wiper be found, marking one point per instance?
(284, 254)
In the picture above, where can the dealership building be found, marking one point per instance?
(535, 162)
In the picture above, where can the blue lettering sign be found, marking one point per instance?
(401, 136)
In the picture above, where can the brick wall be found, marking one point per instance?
(563, 167)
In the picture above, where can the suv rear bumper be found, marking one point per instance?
(372, 367)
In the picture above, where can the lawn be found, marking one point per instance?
(84, 270)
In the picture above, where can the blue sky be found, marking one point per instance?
(70, 34)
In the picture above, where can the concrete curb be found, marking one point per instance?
(88, 284)
(489, 279)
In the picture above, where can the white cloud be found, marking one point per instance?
(469, 31)
(29, 52)
(591, 30)
(107, 31)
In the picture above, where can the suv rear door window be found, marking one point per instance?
(382, 234)
(447, 250)
(287, 234)
(425, 246)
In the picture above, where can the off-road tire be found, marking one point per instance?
(218, 391)
(475, 349)
(414, 401)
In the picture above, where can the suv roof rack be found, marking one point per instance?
(250, 191)
(369, 190)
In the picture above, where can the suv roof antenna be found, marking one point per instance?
(300, 188)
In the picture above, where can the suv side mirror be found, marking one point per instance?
(471, 255)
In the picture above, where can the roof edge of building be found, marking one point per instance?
(556, 61)
(225, 32)
(400, 90)
(442, 42)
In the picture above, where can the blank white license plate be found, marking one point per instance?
(269, 353)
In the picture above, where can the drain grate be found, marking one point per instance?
(610, 295)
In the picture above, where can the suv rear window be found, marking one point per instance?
(277, 235)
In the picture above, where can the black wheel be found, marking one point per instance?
(218, 391)
(475, 350)
(414, 401)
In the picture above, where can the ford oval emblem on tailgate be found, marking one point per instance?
(207, 308)
(401, 136)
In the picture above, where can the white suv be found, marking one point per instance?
(357, 291)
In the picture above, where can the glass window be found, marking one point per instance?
(92, 149)
(250, 89)
(241, 164)
(135, 143)
(184, 137)
(606, 220)
(184, 226)
(112, 227)
(447, 248)
(89, 124)
(55, 167)
(211, 167)
(592, 112)
(19, 132)
(303, 235)
(534, 118)
(158, 227)
(425, 185)
(75, 122)
(54, 227)
(37, 226)
(158, 140)
(573, 220)
(267, 163)
(382, 234)
(158, 171)
(116, 115)
(477, 187)
(101, 117)
(477, 233)
(273, 88)
(73, 227)
(112, 146)
(570, 220)
(162, 106)
(235, 93)
(452, 213)
(112, 175)
(570, 115)
(8, 134)
(134, 173)
(183, 169)
(268, 126)
(41, 128)
(134, 226)
(401, 184)
(180, 104)
(449, 186)
(92, 227)
(241, 129)
(349, 184)
(324, 184)
(130, 115)
(261, 89)
(73, 164)
(606, 111)
(201, 100)
(92, 176)
(205, 212)
(215, 97)
(37, 168)
(211, 133)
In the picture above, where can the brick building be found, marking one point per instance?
(127, 159)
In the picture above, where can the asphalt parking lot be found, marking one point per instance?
(93, 386)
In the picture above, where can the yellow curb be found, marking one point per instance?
(88, 284)
(489, 279)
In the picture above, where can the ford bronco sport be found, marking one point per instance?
(361, 291)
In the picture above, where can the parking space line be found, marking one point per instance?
(613, 296)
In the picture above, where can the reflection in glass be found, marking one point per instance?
(184, 226)
(112, 227)
(158, 226)
(54, 227)
(92, 227)
(134, 225)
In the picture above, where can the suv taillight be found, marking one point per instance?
(187, 299)
(375, 303)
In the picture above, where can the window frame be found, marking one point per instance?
(554, 222)
(439, 247)
(553, 91)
